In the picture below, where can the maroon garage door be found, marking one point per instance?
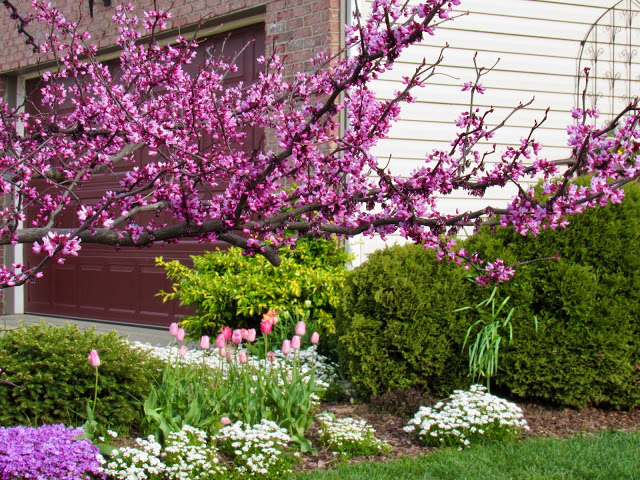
(121, 286)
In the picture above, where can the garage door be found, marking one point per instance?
(121, 286)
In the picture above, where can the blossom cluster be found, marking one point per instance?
(349, 436)
(46, 452)
(188, 455)
(258, 451)
(325, 371)
(466, 417)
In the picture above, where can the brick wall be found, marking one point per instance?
(298, 28)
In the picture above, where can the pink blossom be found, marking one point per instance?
(94, 359)
(226, 331)
(183, 351)
(286, 347)
(225, 421)
(301, 328)
(173, 329)
(295, 342)
(180, 334)
(236, 337)
(242, 357)
(315, 338)
(251, 335)
(221, 342)
(271, 357)
(204, 342)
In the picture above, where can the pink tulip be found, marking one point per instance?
(301, 328)
(180, 334)
(243, 357)
(244, 332)
(183, 351)
(173, 329)
(213, 385)
(223, 352)
(251, 335)
(236, 337)
(286, 347)
(295, 342)
(315, 338)
(229, 357)
(94, 359)
(221, 342)
(266, 327)
(271, 357)
(225, 421)
(226, 331)
(204, 342)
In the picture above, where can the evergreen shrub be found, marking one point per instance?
(50, 365)
(396, 324)
(586, 349)
(229, 288)
(576, 319)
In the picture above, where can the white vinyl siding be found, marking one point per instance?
(536, 44)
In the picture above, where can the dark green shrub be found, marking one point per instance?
(50, 363)
(586, 350)
(396, 323)
(228, 288)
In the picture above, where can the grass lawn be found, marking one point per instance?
(606, 456)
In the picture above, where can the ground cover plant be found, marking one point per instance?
(468, 417)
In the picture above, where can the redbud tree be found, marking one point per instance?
(314, 173)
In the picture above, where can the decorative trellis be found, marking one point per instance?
(610, 52)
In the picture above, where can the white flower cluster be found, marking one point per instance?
(326, 372)
(467, 416)
(349, 436)
(187, 456)
(258, 451)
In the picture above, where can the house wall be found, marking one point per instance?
(537, 44)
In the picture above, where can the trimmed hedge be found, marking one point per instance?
(398, 329)
(50, 364)
(587, 347)
(396, 323)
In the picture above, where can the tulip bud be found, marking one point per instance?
(221, 342)
(173, 329)
(226, 331)
(295, 342)
(286, 347)
(243, 357)
(251, 335)
(94, 359)
(301, 328)
(223, 352)
(183, 351)
(271, 357)
(180, 334)
(243, 333)
(315, 338)
(204, 342)
(236, 337)
(225, 421)
(229, 357)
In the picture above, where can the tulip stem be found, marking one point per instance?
(95, 392)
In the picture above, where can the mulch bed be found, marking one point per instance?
(543, 420)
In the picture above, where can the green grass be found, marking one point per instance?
(606, 456)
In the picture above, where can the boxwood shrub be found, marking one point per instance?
(50, 365)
